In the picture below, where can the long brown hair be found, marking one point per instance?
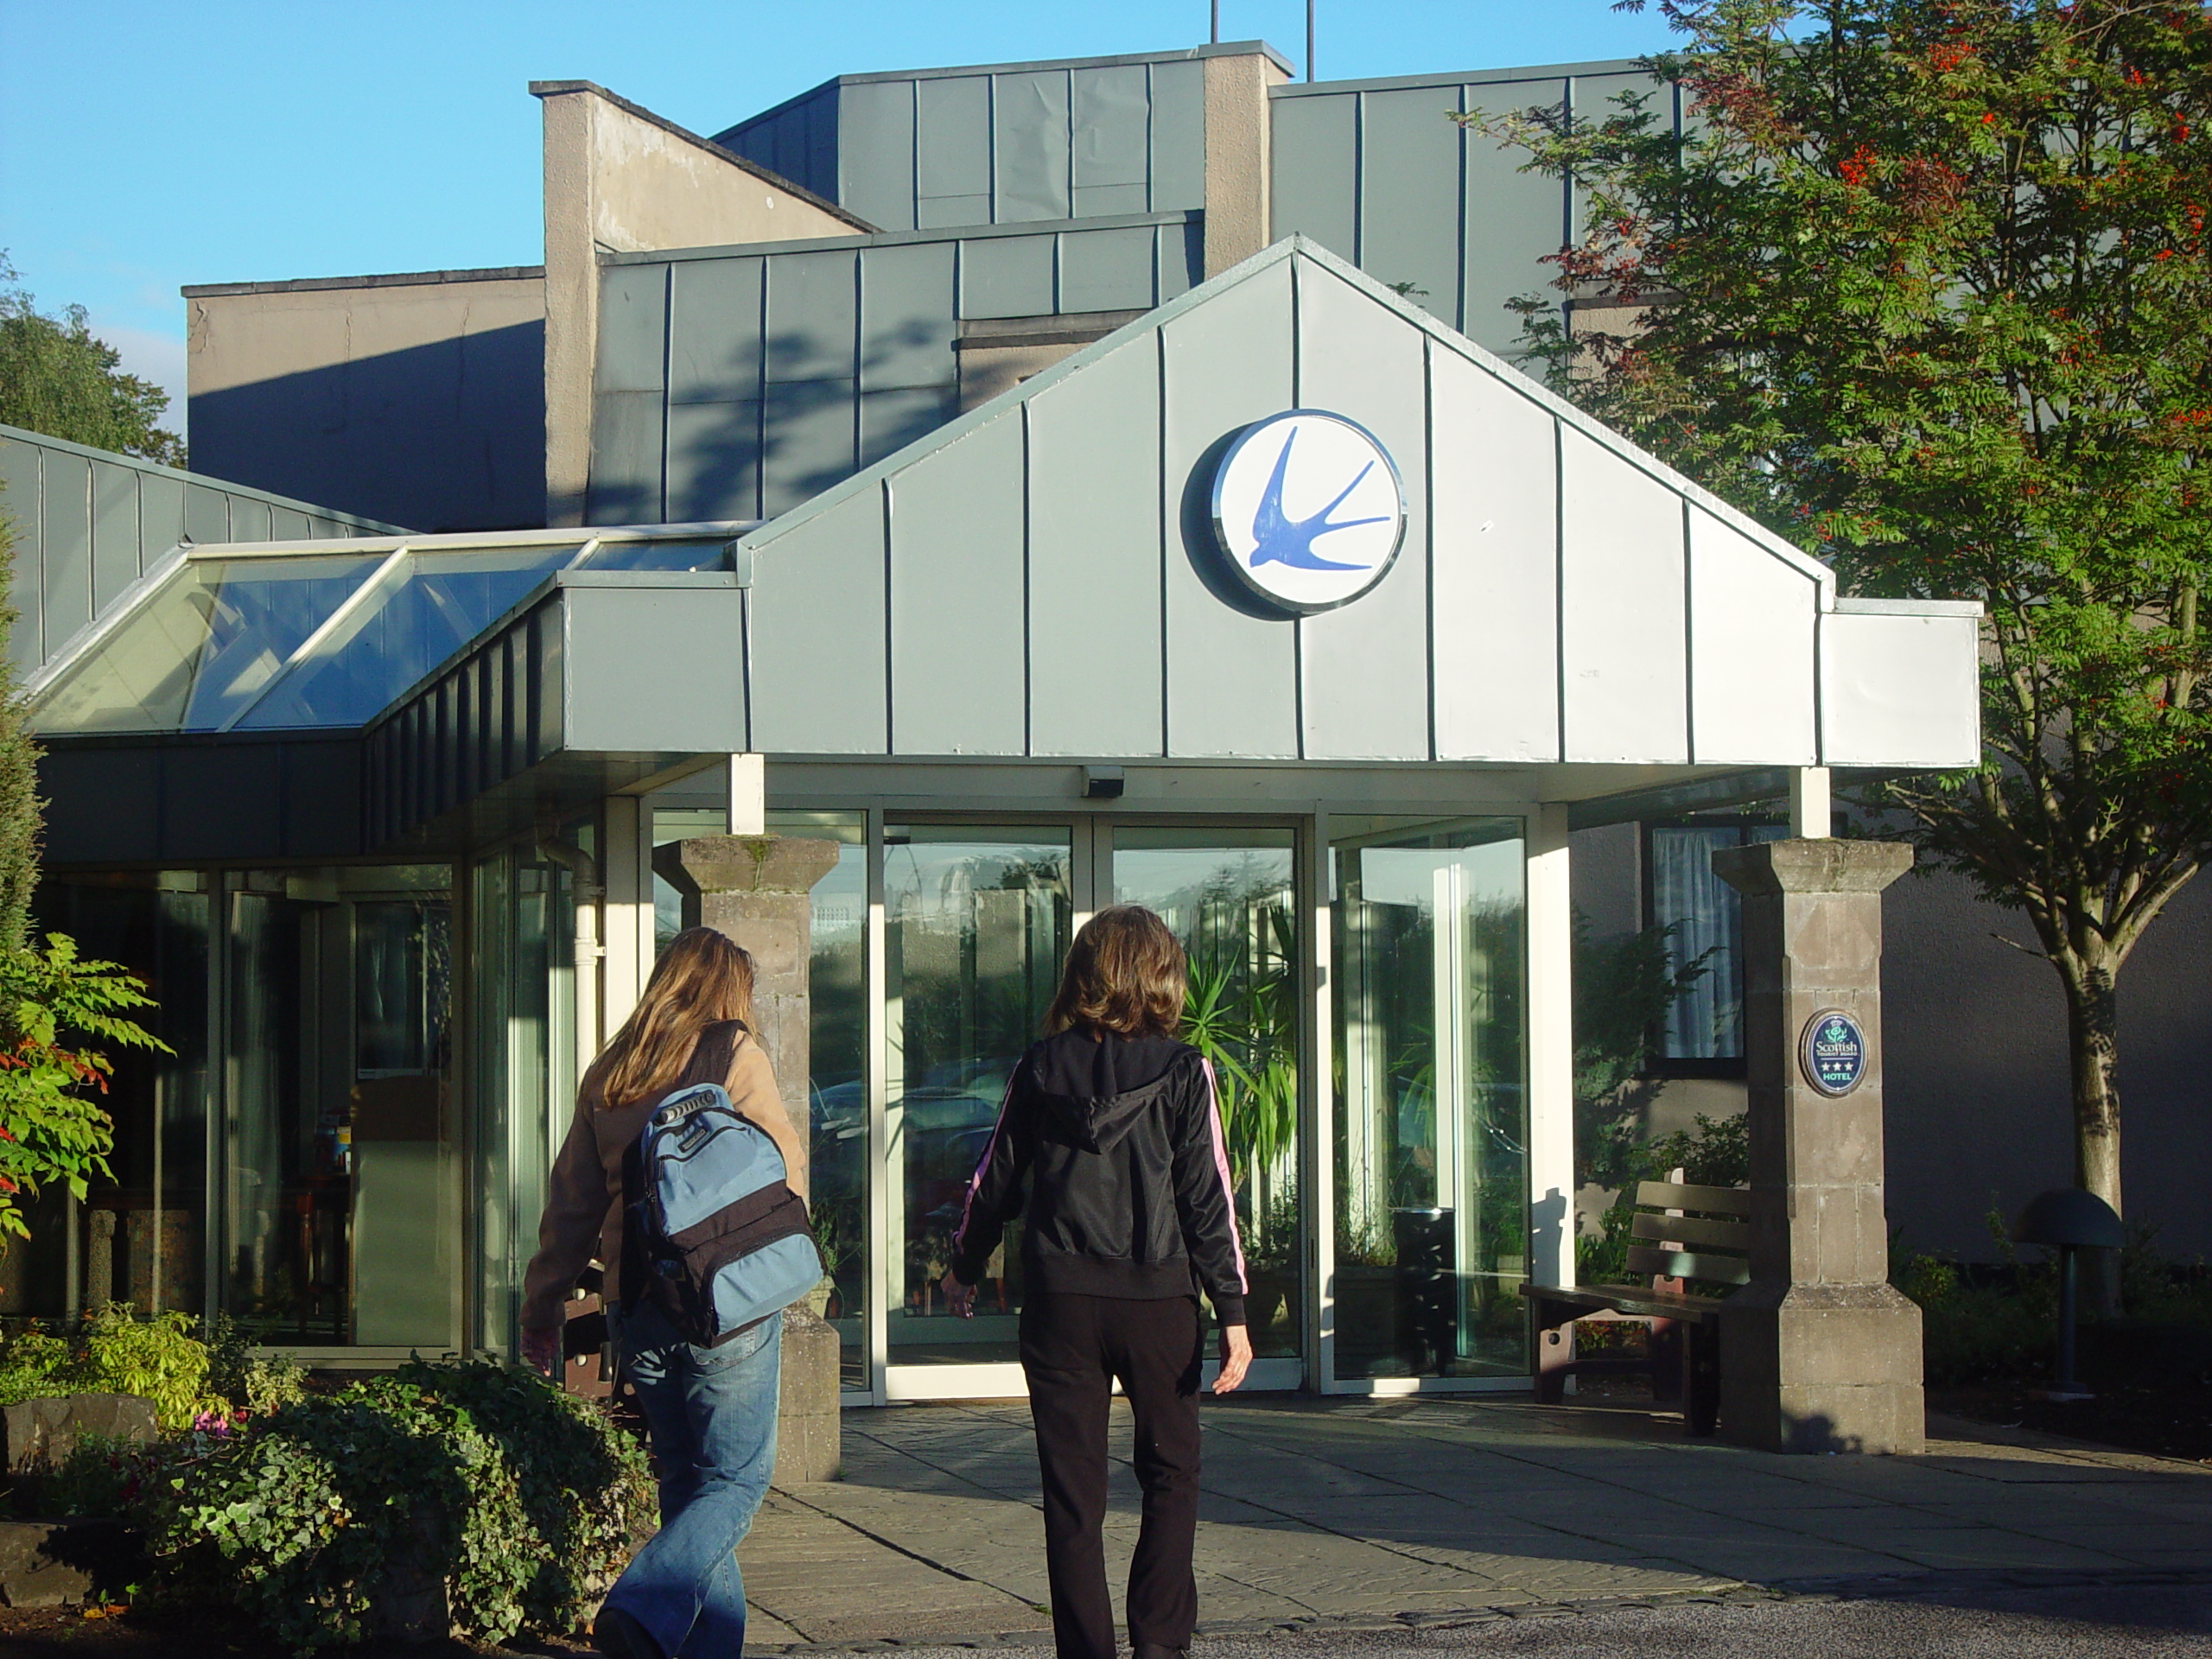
(703, 978)
(1125, 974)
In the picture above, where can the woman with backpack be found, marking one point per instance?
(1109, 1149)
(710, 1411)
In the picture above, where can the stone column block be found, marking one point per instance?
(755, 888)
(1818, 1353)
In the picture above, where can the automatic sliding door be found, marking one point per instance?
(1229, 896)
(976, 923)
(1430, 1166)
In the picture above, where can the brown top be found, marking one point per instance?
(584, 1200)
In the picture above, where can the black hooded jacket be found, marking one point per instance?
(1117, 1142)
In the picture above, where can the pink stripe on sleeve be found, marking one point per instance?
(1220, 1168)
(976, 1176)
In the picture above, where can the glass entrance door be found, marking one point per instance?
(976, 920)
(1230, 896)
(1430, 1160)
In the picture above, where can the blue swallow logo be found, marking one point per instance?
(1280, 539)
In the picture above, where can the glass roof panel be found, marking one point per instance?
(202, 646)
(422, 613)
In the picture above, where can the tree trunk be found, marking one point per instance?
(2093, 1041)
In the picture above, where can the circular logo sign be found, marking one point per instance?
(1833, 1052)
(1307, 510)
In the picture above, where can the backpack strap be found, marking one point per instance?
(712, 1055)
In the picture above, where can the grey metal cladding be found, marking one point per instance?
(875, 152)
(1007, 275)
(286, 526)
(1030, 139)
(1109, 270)
(907, 317)
(1179, 136)
(952, 141)
(1365, 691)
(1181, 251)
(891, 420)
(19, 484)
(1623, 639)
(249, 520)
(161, 518)
(66, 551)
(714, 462)
(624, 482)
(1513, 220)
(1314, 181)
(115, 532)
(1494, 550)
(655, 669)
(1231, 674)
(1094, 559)
(1409, 192)
(714, 330)
(812, 428)
(1105, 201)
(207, 514)
(632, 328)
(813, 315)
(818, 634)
(941, 213)
(957, 682)
(1111, 117)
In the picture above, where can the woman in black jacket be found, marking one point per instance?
(1109, 1147)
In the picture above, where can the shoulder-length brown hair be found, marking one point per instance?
(703, 978)
(1125, 974)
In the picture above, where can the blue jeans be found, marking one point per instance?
(711, 1413)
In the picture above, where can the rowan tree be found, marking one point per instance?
(1923, 286)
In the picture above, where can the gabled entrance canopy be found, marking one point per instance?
(1038, 578)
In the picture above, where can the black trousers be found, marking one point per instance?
(1073, 1348)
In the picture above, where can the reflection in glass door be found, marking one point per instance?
(1229, 895)
(1432, 1235)
(976, 922)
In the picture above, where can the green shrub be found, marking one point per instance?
(114, 1351)
(256, 1383)
(1717, 1153)
(518, 1497)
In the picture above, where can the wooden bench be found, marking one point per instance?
(1681, 1234)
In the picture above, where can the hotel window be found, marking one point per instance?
(1702, 1033)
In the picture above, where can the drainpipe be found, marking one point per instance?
(583, 869)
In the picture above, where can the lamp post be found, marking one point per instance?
(2068, 1219)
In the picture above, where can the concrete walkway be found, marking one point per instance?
(1401, 1513)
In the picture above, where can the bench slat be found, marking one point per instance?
(1693, 1229)
(1689, 1264)
(1676, 1195)
(1637, 1299)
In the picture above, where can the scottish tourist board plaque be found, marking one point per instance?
(1833, 1052)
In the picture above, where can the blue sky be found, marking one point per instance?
(146, 145)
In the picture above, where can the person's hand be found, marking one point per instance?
(959, 1299)
(541, 1351)
(1236, 1358)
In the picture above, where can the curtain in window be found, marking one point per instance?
(1702, 909)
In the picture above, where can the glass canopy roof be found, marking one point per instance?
(322, 635)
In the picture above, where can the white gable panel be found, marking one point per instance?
(1752, 618)
(1495, 505)
(1624, 642)
(820, 682)
(1094, 559)
(1232, 684)
(1365, 692)
(1900, 690)
(958, 678)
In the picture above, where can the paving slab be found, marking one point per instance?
(1320, 1510)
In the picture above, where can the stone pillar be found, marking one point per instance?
(1817, 1353)
(754, 888)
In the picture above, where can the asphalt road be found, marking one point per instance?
(2137, 1621)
